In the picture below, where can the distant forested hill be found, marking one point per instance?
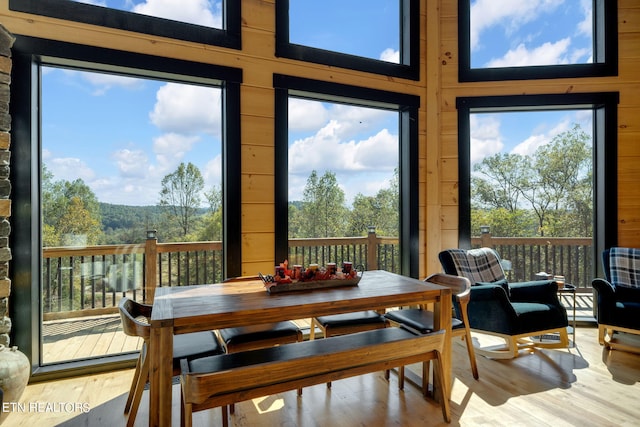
(127, 224)
(122, 216)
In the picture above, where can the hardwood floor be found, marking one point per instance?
(95, 336)
(582, 386)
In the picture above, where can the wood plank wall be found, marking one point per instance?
(438, 89)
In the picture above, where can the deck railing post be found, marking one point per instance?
(485, 236)
(150, 266)
(372, 249)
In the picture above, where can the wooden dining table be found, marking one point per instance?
(184, 309)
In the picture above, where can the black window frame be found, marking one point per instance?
(605, 51)
(229, 36)
(29, 54)
(406, 105)
(409, 67)
(605, 150)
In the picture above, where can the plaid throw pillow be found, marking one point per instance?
(624, 266)
(478, 265)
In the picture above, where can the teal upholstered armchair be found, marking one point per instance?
(617, 298)
(520, 313)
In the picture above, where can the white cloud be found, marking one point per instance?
(355, 121)
(131, 163)
(327, 151)
(390, 55)
(585, 27)
(187, 109)
(546, 54)
(542, 135)
(170, 149)
(486, 139)
(103, 82)
(201, 12)
(93, 2)
(69, 168)
(511, 14)
(530, 145)
(212, 173)
(306, 115)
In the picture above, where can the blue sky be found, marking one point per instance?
(122, 135)
(508, 33)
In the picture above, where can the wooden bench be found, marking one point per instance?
(222, 380)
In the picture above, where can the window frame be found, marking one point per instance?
(29, 54)
(409, 37)
(407, 107)
(605, 150)
(229, 36)
(605, 51)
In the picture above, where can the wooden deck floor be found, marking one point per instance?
(87, 337)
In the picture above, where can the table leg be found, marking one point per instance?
(574, 318)
(160, 374)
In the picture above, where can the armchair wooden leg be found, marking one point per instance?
(401, 377)
(601, 334)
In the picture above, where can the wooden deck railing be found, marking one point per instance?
(91, 280)
(567, 256)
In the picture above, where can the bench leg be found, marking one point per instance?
(401, 377)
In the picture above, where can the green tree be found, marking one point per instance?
(78, 221)
(560, 181)
(380, 211)
(181, 195)
(548, 193)
(70, 211)
(499, 181)
(323, 207)
(212, 222)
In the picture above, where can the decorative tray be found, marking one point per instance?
(297, 285)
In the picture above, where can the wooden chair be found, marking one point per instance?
(421, 321)
(257, 336)
(348, 323)
(135, 323)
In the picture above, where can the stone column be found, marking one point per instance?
(6, 42)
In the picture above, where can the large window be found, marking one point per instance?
(115, 155)
(346, 167)
(211, 22)
(540, 167)
(380, 37)
(505, 40)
